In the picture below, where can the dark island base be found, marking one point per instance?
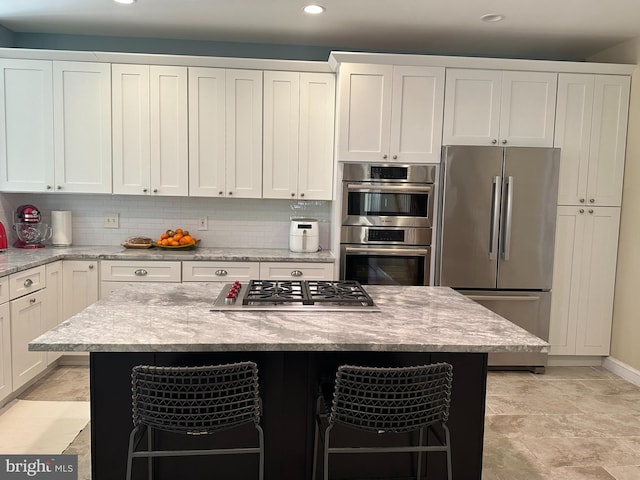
(289, 384)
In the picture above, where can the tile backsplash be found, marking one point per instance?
(245, 223)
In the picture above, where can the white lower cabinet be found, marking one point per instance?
(6, 385)
(80, 279)
(220, 271)
(583, 280)
(27, 323)
(115, 274)
(296, 271)
(55, 312)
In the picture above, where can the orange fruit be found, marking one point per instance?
(179, 230)
(164, 241)
(164, 235)
(187, 239)
(177, 236)
(174, 243)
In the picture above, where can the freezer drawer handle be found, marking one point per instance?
(389, 188)
(521, 298)
(495, 218)
(506, 249)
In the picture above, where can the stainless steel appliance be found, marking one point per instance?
(387, 219)
(497, 232)
(296, 295)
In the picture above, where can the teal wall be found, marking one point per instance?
(6, 37)
(167, 46)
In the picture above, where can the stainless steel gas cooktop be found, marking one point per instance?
(296, 295)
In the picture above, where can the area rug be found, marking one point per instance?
(34, 427)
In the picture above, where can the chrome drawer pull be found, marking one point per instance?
(33, 300)
(141, 272)
(28, 282)
(296, 273)
(221, 273)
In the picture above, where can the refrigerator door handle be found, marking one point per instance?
(520, 298)
(495, 218)
(506, 248)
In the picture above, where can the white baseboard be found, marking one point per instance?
(622, 370)
(573, 361)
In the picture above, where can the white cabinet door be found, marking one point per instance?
(298, 135)
(490, 107)
(169, 131)
(528, 109)
(416, 114)
(317, 126)
(26, 126)
(608, 140)
(80, 278)
(55, 312)
(364, 112)
(131, 134)
(6, 383)
(472, 107)
(244, 133)
(592, 115)
(281, 134)
(207, 129)
(584, 279)
(27, 323)
(82, 126)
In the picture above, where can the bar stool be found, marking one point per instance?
(194, 401)
(388, 400)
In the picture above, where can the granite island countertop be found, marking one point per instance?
(19, 259)
(177, 318)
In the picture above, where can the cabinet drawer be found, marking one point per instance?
(23, 283)
(220, 271)
(4, 290)
(296, 271)
(119, 271)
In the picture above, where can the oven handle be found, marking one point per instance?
(387, 250)
(390, 188)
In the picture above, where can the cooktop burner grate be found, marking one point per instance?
(275, 291)
(343, 292)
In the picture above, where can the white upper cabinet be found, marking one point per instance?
(591, 131)
(150, 139)
(298, 135)
(82, 127)
(390, 113)
(491, 107)
(55, 126)
(225, 132)
(26, 125)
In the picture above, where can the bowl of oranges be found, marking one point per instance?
(176, 239)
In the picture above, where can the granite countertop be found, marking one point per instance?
(176, 318)
(18, 259)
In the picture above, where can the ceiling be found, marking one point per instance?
(540, 29)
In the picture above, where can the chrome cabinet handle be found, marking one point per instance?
(221, 273)
(504, 142)
(155, 190)
(395, 157)
(581, 210)
(494, 141)
(220, 193)
(302, 194)
(582, 200)
(385, 156)
(230, 193)
(28, 282)
(90, 267)
(293, 194)
(296, 273)
(145, 190)
(32, 301)
(591, 210)
(141, 272)
(592, 200)
(59, 187)
(49, 187)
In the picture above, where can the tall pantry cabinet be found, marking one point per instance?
(591, 127)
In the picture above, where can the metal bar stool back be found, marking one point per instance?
(194, 401)
(390, 400)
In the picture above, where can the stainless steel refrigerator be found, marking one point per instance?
(496, 235)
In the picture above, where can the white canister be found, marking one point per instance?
(303, 235)
(62, 228)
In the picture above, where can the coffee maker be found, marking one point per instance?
(31, 232)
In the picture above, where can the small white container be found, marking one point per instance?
(62, 228)
(304, 236)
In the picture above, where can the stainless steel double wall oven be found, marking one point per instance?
(387, 220)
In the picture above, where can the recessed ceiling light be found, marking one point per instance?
(313, 9)
(125, 2)
(492, 17)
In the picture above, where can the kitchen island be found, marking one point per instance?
(295, 352)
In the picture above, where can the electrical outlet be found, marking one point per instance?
(112, 220)
(203, 223)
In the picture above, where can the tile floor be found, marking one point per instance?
(572, 423)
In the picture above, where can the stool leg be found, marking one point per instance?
(130, 454)
(326, 452)
(315, 448)
(150, 448)
(419, 469)
(449, 469)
